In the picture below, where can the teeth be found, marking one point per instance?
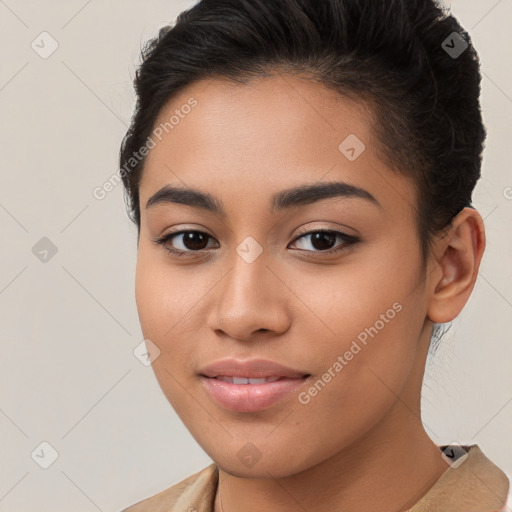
(246, 380)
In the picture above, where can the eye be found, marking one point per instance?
(188, 241)
(322, 241)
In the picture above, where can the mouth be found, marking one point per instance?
(247, 380)
(250, 386)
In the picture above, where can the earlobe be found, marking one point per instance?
(459, 256)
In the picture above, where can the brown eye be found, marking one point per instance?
(324, 241)
(186, 241)
(194, 240)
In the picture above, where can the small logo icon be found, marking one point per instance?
(454, 45)
(44, 45)
(44, 455)
(146, 352)
(44, 250)
(454, 455)
(249, 249)
(249, 455)
(352, 147)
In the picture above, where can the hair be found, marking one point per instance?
(391, 54)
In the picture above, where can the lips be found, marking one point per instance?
(251, 385)
(250, 369)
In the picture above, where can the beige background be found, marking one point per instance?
(69, 325)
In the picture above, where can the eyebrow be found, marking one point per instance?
(285, 199)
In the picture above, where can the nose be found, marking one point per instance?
(250, 299)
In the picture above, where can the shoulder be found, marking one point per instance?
(195, 493)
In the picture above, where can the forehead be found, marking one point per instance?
(285, 116)
(272, 132)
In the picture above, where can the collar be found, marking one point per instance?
(472, 483)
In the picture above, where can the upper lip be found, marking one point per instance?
(251, 368)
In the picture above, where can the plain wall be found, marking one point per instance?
(69, 325)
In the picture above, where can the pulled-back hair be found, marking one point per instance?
(400, 56)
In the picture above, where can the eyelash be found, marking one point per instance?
(349, 241)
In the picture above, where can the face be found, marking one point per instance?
(326, 281)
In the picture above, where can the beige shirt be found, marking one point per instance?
(471, 484)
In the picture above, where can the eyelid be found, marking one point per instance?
(339, 228)
(325, 230)
(348, 241)
(181, 228)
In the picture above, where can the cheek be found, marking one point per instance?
(164, 295)
(365, 299)
(167, 302)
(373, 317)
(359, 383)
(373, 340)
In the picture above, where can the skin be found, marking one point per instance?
(359, 444)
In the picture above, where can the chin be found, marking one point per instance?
(250, 462)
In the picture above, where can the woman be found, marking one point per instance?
(300, 173)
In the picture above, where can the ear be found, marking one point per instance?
(456, 263)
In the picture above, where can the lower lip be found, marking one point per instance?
(249, 397)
